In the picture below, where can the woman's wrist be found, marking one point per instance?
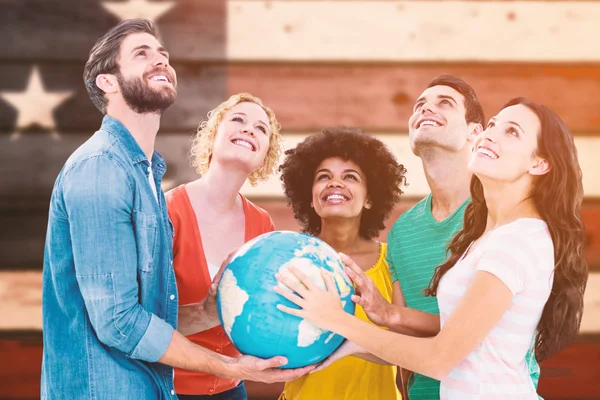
(393, 316)
(342, 324)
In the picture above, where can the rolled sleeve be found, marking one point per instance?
(98, 199)
(153, 345)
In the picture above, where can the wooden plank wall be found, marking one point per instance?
(317, 64)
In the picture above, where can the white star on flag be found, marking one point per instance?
(151, 10)
(35, 105)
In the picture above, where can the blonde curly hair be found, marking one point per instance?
(202, 144)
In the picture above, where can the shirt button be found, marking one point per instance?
(172, 393)
(172, 297)
(218, 350)
(210, 390)
(218, 333)
(171, 263)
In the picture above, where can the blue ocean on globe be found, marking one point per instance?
(246, 302)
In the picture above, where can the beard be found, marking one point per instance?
(142, 98)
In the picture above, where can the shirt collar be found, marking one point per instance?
(131, 147)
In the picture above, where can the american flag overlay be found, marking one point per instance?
(316, 64)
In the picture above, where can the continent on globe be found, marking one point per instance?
(233, 299)
(247, 304)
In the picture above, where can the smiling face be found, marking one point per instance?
(339, 189)
(506, 150)
(243, 137)
(439, 120)
(146, 80)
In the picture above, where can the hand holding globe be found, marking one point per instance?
(323, 305)
(247, 303)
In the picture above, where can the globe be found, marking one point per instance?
(246, 302)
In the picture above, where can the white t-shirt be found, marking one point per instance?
(151, 179)
(521, 255)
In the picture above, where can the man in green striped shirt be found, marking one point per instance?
(446, 117)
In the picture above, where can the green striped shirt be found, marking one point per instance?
(417, 244)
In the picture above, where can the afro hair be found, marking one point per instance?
(385, 176)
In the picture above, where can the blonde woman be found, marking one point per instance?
(239, 141)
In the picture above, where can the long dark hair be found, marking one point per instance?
(557, 196)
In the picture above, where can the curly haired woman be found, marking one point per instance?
(342, 184)
(239, 141)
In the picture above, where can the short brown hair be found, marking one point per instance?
(473, 109)
(104, 56)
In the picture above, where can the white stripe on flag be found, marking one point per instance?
(21, 302)
(588, 150)
(293, 30)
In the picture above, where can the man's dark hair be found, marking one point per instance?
(474, 111)
(104, 56)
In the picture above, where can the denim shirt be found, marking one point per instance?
(109, 302)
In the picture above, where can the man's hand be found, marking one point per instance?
(367, 295)
(259, 370)
(217, 278)
(184, 354)
(209, 304)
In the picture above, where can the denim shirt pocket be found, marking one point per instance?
(146, 233)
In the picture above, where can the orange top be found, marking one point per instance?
(193, 282)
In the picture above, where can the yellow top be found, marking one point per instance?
(352, 378)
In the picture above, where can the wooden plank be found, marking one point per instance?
(67, 29)
(381, 97)
(22, 239)
(319, 31)
(32, 162)
(63, 29)
(571, 374)
(20, 369)
(284, 220)
(591, 314)
(20, 291)
(588, 148)
(329, 94)
(201, 88)
(21, 302)
(591, 218)
(413, 31)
